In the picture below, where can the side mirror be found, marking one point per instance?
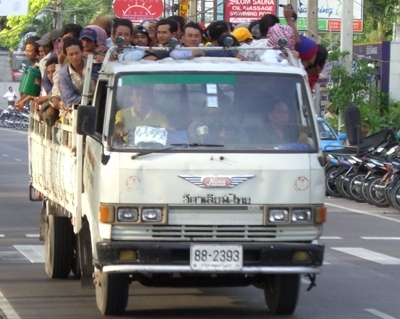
(86, 120)
(342, 136)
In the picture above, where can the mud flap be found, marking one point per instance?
(86, 257)
(42, 229)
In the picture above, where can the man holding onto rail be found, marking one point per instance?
(191, 37)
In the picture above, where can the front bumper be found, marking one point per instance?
(161, 257)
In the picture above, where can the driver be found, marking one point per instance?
(279, 131)
(140, 114)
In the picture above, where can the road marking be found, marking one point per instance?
(17, 160)
(330, 237)
(5, 155)
(369, 255)
(7, 309)
(381, 238)
(361, 212)
(34, 253)
(32, 235)
(1, 235)
(379, 314)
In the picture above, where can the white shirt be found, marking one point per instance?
(254, 55)
(10, 96)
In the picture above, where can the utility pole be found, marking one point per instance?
(57, 15)
(346, 33)
(193, 10)
(312, 20)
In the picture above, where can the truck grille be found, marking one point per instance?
(214, 233)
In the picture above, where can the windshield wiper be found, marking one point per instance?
(185, 145)
(175, 146)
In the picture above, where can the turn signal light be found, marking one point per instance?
(320, 214)
(106, 213)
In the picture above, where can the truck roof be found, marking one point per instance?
(209, 64)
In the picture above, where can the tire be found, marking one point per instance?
(364, 190)
(377, 195)
(112, 292)
(342, 185)
(24, 124)
(17, 123)
(75, 261)
(8, 121)
(330, 183)
(58, 247)
(395, 196)
(355, 185)
(281, 293)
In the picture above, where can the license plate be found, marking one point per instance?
(216, 257)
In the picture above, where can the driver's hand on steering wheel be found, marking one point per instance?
(120, 130)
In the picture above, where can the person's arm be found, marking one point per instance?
(20, 104)
(288, 14)
(68, 94)
(181, 54)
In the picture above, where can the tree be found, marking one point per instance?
(379, 16)
(16, 26)
(40, 18)
(377, 110)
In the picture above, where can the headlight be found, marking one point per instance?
(151, 214)
(301, 215)
(278, 216)
(127, 214)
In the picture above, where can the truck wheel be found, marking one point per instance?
(58, 247)
(281, 293)
(75, 261)
(112, 292)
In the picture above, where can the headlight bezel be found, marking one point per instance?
(146, 211)
(111, 214)
(274, 218)
(293, 217)
(296, 216)
(120, 211)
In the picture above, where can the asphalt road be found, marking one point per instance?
(360, 277)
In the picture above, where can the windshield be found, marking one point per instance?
(325, 131)
(232, 112)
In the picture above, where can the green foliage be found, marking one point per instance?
(334, 122)
(41, 14)
(16, 25)
(377, 110)
(346, 88)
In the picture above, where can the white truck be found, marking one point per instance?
(195, 192)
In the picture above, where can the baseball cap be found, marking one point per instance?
(242, 34)
(89, 33)
(48, 37)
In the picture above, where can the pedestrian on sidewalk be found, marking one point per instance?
(10, 96)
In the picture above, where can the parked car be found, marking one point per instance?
(329, 139)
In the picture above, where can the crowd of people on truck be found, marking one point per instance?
(61, 55)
